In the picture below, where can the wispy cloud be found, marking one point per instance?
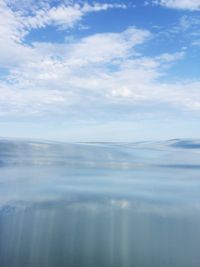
(15, 22)
(191, 5)
(65, 16)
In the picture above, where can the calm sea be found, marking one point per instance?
(100, 204)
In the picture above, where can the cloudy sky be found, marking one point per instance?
(100, 71)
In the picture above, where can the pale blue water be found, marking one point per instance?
(100, 204)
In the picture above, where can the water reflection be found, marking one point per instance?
(99, 204)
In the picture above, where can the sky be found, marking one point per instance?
(100, 70)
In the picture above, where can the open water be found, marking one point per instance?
(100, 204)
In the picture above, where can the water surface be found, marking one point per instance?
(100, 204)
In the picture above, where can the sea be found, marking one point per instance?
(100, 204)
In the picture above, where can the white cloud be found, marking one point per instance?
(101, 48)
(67, 69)
(10, 24)
(191, 5)
(100, 68)
(16, 101)
(15, 24)
(65, 16)
(166, 57)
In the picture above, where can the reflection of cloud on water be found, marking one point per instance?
(142, 177)
(123, 204)
(105, 206)
(136, 207)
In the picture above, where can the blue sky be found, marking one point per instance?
(100, 71)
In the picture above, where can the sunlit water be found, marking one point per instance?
(100, 204)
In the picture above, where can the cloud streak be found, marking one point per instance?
(191, 5)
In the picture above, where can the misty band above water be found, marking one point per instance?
(100, 204)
